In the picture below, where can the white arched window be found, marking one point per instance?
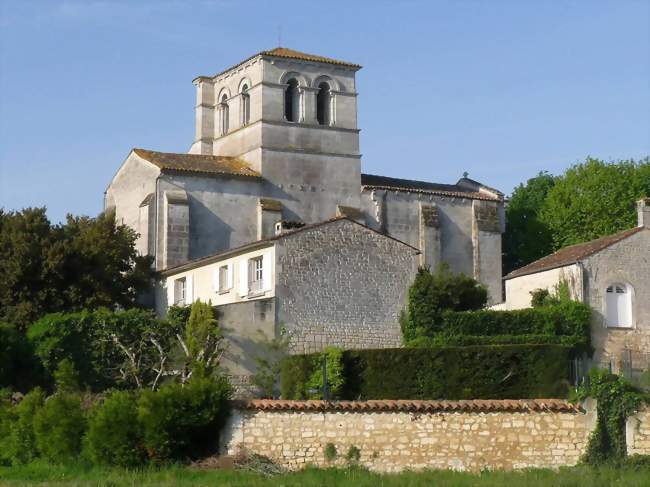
(292, 101)
(245, 105)
(618, 305)
(324, 104)
(223, 115)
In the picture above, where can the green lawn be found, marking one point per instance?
(354, 477)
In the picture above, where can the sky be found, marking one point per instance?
(500, 89)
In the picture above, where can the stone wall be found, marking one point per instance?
(637, 434)
(398, 435)
(342, 284)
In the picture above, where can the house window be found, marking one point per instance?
(224, 114)
(245, 105)
(323, 104)
(292, 101)
(223, 279)
(180, 291)
(618, 305)
(255, 275)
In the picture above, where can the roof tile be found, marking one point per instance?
(371, 181)
(198, 163)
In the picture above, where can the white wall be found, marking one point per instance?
(518, 289)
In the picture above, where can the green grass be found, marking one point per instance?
(44, 474)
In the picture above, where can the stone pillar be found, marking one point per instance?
(204, 113)
(486, 241)
(177, 229)
(429, 236)
(269, 212)
(309, 104)
(643, 209)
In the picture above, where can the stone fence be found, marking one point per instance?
(637, 433)
(395, 435)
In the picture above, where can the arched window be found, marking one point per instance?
(292, 101)
(245, 105)
(618, 305)
(323, 104)
(224, 115)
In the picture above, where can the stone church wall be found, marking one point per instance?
(399, 435)
(344, 284)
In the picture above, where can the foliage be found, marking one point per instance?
(20, 444)
(108, 349)
(66, 377)
(85, 263)
(59, 427)
(353, 454)
(444, 372)
(616, 400)
(527, 237)
(308, 372)
(19, 368)
(269, 364)
(181, 422)
(202, 342)
(330, 452)
(431, 293)
(540, 298)
(594, 199)
(114, 434)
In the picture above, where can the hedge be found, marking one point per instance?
(446, 372)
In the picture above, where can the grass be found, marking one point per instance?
(42, 473)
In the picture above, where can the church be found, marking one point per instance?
(270, 216)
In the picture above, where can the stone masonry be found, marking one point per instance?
(342, 284)
(398, 435)
(638, 433)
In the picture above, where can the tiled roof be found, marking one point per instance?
(286, 53)
(470, 406)
(199, 163)
(371, 181)
(572, 254)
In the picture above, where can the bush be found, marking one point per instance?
(114, 434)
(471, 372)
(430, 294)
(20, 446)
(19, 368)
(59, 427)
(311, 386)
(184, 422)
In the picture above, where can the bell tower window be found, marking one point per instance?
(245, 105)
(323, 104)
(223, 115)
(292, 101)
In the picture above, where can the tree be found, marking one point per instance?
(594, 199)
(527, 238)
(84, 263)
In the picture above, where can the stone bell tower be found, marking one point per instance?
(293, 118)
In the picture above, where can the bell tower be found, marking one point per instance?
(292, 117)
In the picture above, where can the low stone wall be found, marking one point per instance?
(398, 435)
(637, 434)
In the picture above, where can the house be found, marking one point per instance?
(277, 141)
(334, 283)
(612, 275)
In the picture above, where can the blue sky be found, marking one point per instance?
(501, 89)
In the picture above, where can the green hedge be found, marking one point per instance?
(578, 343)
(468, 372)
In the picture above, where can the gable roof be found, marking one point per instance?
(371, 181)
(265, 242)
(286, 53)
(197, 163)
(572, 254)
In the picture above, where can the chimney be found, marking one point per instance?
(643, 209)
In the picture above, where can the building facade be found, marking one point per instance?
(611, 274)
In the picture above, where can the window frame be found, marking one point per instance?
(612, 298)
(180, 284)
(224, 286)
(256, 275)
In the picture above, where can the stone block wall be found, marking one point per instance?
(637, 434)
(342, 284)
(398, 435)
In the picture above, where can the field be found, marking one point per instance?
(40, 473)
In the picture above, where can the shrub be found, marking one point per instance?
(20, 446)
(430, 294)
(59, 427)
(311, 386)
(184, 422)
(114, 434)
(445, 372)
(66, 377)
(353, 455)
(19, 368)
(330, 452)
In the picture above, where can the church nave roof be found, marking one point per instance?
(199, 163)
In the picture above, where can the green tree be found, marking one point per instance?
(84, 263)
(202, 342)
(527, 238)
(594, 199)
